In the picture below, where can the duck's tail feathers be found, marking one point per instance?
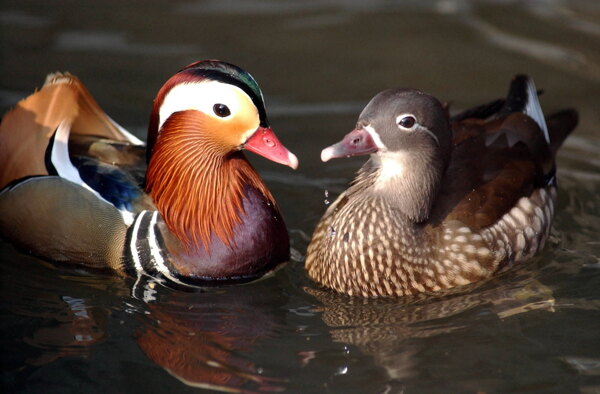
(533, 109)
(26, 129)
(523, 97)
(560, 125)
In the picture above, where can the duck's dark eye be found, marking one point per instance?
(407, 122)
(221, 110)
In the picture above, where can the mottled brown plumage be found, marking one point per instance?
(441, 203)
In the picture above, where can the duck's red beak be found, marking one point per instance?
(264, 142)
(357, 142)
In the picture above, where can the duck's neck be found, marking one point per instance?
(407, 181)
(196, 185)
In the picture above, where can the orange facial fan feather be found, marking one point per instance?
(195, 184)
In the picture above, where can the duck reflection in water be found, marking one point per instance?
(75, 329)
(392, 330)
(202, 338)
(202, 342)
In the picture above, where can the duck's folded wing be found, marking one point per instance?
(26, 129)
(121, 188)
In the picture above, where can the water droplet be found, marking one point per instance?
(343, 370)
(268, 142)
(327, 202)
(331, 231)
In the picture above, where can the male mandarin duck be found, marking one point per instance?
(442, 202)
(187, 208)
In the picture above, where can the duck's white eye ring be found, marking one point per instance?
(221, 110)
(406, 121)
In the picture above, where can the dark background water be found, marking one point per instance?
(534, 329)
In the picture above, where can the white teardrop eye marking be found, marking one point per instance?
(406, 121)
(216, 99)
(409, 122)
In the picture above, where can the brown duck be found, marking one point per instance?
(442, 202)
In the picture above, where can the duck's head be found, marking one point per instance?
(226, 105)
(396, 122)
(197, 176)
(408, 135)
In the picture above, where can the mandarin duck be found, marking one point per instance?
(187, 208)
(442, 202)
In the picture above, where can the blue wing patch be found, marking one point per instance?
(113, 184)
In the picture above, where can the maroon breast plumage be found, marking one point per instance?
(442, 201)
(189, 208)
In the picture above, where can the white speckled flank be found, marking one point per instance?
(377, 254)
(525, 228)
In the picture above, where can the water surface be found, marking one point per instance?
(533, 329)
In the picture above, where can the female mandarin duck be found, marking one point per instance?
(76, 186)
(441, 202)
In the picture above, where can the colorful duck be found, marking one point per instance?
(186, 208)
(442, 202)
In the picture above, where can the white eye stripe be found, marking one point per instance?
(200, 96)
(421, 128)
(416, 127)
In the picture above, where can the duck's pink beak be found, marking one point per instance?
(357, 142)
(264, 142)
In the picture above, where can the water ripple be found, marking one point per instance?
(553, 54)
(22, 19)
(117, 42)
